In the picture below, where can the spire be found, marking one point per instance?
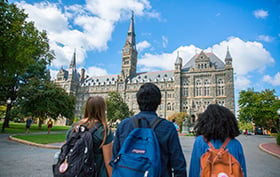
(178, 59)
(131, 33)
(228, 56)
(73, 61)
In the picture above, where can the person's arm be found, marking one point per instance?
(242, 160)
(177, 159)
(107, 155)
(116, 144)
(195, 160)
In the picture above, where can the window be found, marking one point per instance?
(168, 106)
(198, 88)
(206, 87)
(220, 87)
(185, 92)
(185, 106)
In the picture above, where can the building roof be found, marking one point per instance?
(214, 60)
(144, 77)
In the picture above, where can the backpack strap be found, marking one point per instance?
(155, 122)
(94, 129)
(208, 142)
(225, 143)
(136, 122)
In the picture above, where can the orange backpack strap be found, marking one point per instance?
(226, 143)
(208, 142)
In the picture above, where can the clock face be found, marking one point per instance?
(126, 50)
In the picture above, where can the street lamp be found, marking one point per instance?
(278, 113)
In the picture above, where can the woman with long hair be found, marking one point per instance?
(95, 116)
(215, 125)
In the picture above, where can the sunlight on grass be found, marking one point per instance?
(43, 138)
(20, 128)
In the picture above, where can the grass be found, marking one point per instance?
(16, 128)
(43, 138)
(20, 128)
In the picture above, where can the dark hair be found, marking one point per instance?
(148, 97)
(217, 122)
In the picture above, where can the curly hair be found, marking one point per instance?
(217, 122)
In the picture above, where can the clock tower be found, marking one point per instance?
(129, 52)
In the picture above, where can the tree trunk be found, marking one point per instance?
(7, 117)
(40, 123)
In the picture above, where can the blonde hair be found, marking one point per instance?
(95, 110)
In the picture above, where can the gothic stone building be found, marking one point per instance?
(203, 80)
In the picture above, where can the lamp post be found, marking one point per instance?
(278, 113)
(7, 116)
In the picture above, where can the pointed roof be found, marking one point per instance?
(131, 33)
(73, 61)
(214, 60)
(228, 56)
(178, 59)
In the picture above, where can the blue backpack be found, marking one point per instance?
(140, 152)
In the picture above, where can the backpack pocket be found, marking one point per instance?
(127, 166)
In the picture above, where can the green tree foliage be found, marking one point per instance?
(22, 45)
(179, 118)
(45, 99)
(245, 125)
(116, 107)
(260, 108)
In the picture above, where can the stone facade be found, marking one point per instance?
(203, 80)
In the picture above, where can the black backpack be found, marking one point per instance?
(77, 155)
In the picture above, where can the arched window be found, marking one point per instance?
(185, 88)
(220, 88)
(168, 106)
(198, 88)
(206, 87)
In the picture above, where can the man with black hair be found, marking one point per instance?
(172, 157)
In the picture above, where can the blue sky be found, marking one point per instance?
(98, 29)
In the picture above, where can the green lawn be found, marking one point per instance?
(20, 128)
(43, 138)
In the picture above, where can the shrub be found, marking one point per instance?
(278, 139)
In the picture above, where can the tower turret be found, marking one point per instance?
(228, 59)
(129, 58)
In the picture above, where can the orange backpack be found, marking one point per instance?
(219, 162)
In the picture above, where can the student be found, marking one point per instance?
(50, 124)
(216, 124)
(172, 157)
(95, 116)
(28, 124)
(176, 126)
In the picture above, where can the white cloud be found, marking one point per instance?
(93, 24)
(275, 81)
(53, 73)
(218, 14)
(165, 61)
(247, 56)
(142, 46)
(164, 41)
(242, 83)
(96, 71)
(265, 38)
(260, 13)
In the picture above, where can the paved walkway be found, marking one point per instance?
(271, 148)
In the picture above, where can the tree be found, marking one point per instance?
(179, 118)
(260, 108)
(43, 100)
(21, 46)
(116, 107)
